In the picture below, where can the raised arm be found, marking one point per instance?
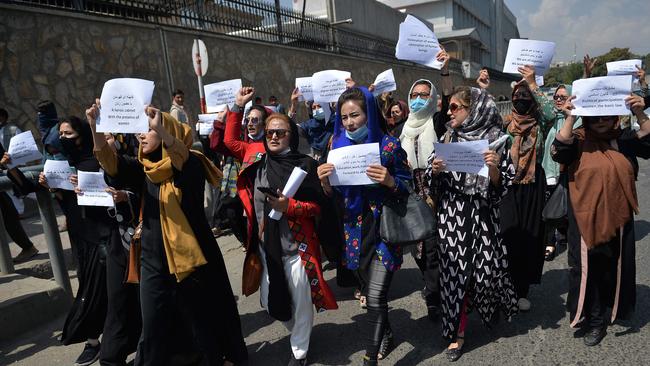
(637, 105)
(446, 83)
(232, 136)
(546, 112)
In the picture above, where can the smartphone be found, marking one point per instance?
(269, 191)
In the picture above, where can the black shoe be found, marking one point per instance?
(89, 355)
(433, 313)
(367, 361)
(293, 361)
(594, 336)
(454, 354)
(386, 345)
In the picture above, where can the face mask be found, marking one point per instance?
(418, 104)
(69, 146)
(359, 135)
(319, 114)
(522, 106)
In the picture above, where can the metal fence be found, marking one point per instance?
(251, 19)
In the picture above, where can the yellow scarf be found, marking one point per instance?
(182, 249)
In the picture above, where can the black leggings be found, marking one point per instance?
(379, 279)
(12, 222)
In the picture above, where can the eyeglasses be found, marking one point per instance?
(453, 107)
(523, 94)
(252, 120)
(279, 132)
(561, 98)
(422, 95)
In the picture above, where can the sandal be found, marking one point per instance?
(386, 345)
(549, 253)
(453, 354)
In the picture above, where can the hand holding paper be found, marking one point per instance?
(522, 52)
(22, 150)
(305, 88)
(351, 164)
(384, 83)
(602, 96)
(93, 187)
(417, 43)
(466, 157)
(57, 173)
(293, 183)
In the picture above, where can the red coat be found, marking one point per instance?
(301, 216)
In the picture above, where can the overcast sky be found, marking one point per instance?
(595, 26)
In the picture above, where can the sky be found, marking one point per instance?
(593, 26)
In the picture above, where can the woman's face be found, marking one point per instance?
(458, 112)
(278, 135)
(396, 112)
(353, 116)
(603, 124)
(66, 131)
(560, 97)
(315, 106)
(254, 122)
(149, 141)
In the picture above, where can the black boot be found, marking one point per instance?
(367, 361)
(594, 336)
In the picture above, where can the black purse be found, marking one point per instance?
(555, 210)
(406, 220)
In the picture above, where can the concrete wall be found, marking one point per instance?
(67, 58)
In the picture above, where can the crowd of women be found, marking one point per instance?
(152, 278)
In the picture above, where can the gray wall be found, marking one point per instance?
(67, 58)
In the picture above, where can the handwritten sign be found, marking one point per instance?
(384, 83)
(351, 163)
(466, 157)
(93, 186)
(417, 43)
(602, 96)
(304, 85)
(523, 52)
(328, 85)
(22, 149)
(222, 94)
(122, 106)
(57, 173)
(625, 67)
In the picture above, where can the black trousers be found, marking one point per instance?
(123, 321)
(428, 264)
(12, 222)
(379, 279)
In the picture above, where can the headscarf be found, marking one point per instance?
(278, 170)
(419, 125)
(524, 146)
(182, 249)
(79, 156)
(601, 186)
(482, 123)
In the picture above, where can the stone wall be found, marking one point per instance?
(67, 57)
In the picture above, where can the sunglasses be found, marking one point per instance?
(453, 107)
(560, 98)
(422, 95)
(523, 94)
(279, 132)
(252, 120)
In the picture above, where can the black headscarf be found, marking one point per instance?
(79, 151)
(278, 170)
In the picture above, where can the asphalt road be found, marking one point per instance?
(541, 336)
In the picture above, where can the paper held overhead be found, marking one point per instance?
(305, 88)
(522, 52)
(122, 106)
(601, 96)
(221, 94)
(328, 85)
(417, 43)
(384, 83)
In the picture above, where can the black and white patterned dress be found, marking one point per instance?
(473, 260)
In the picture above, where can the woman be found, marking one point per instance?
(398, 113)
(521, 210)
(473, 267)
(358, 121)
(186, 298)
(292, 282)
(317, 130)
(602, 167)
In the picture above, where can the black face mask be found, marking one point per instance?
(69, 146)
(522, 106)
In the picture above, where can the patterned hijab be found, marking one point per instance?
(524, 145)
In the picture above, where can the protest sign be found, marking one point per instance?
(602, 96)
(625, 67)
(417, 43)
(93, 187)
(304, 85)
(221, 94)
(466, 157)
(384, 83)
(122, 106)
(23, 149)
(57, 173)
(328, 85)
(351, 163)
(522, 52)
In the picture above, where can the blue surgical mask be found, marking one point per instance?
(358, 135)
(319, 114)
(418, 104)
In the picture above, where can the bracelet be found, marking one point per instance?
(444, 74)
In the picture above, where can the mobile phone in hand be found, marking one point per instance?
(269, 191)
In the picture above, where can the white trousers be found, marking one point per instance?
(302, 318)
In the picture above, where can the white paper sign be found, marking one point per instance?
(290, 188)
(216, 108)
(23, 149)
(522, 52)
(93, 186)
(625, 67)
(57, 173)
(417, 43)
(351, 163)
(601, 96)
(204, 128)
(384, 83)
(219, 95)
(122, 106)
(466, 157)
(304, 85)
(539, 80)
(328, 85)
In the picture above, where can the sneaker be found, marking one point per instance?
(524, 304)
(89, 355)
(26, 254)
(594, 336)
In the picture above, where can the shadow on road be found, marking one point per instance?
(641, 316)
(641, 229)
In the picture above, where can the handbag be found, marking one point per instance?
(135, 252)
(406, 220)
(252, 273)
(555, 210)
